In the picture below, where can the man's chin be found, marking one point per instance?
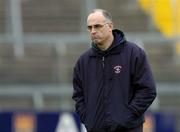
(96, 41)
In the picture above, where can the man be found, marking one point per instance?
(113, 84)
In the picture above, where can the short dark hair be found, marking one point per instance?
(105, 13)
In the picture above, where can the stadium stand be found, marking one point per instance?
(36, 66)
(51, 16)
(2, 16)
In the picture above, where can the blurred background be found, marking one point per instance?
(40, 41)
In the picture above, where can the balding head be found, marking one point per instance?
(105, 13)
(102, 14)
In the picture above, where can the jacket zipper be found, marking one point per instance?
(103, 91)
(103, 58)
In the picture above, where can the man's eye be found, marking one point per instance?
(89, 27)
(97, 26)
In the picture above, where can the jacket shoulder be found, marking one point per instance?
(84, 56)
(135, 48)
(134, 45)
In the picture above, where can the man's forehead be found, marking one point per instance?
(96, 17)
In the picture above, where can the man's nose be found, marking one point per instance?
(93, 30)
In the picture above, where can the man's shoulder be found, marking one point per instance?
(134, 47)
(85, 55)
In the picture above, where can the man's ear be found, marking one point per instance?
(110, 25)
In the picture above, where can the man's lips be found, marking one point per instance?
(95, 37)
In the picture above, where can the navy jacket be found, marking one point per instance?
(113, 88)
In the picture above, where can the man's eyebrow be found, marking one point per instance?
(96, 24)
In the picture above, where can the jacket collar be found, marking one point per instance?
(115, 48)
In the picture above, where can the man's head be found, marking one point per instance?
(100, 26)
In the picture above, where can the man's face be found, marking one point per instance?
(99, 28)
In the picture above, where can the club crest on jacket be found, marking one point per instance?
(117, 69)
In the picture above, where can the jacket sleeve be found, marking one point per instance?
(78, 94)
(142, 83)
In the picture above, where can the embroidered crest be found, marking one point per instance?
(117, 69)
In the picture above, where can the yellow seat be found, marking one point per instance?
(165, 15)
